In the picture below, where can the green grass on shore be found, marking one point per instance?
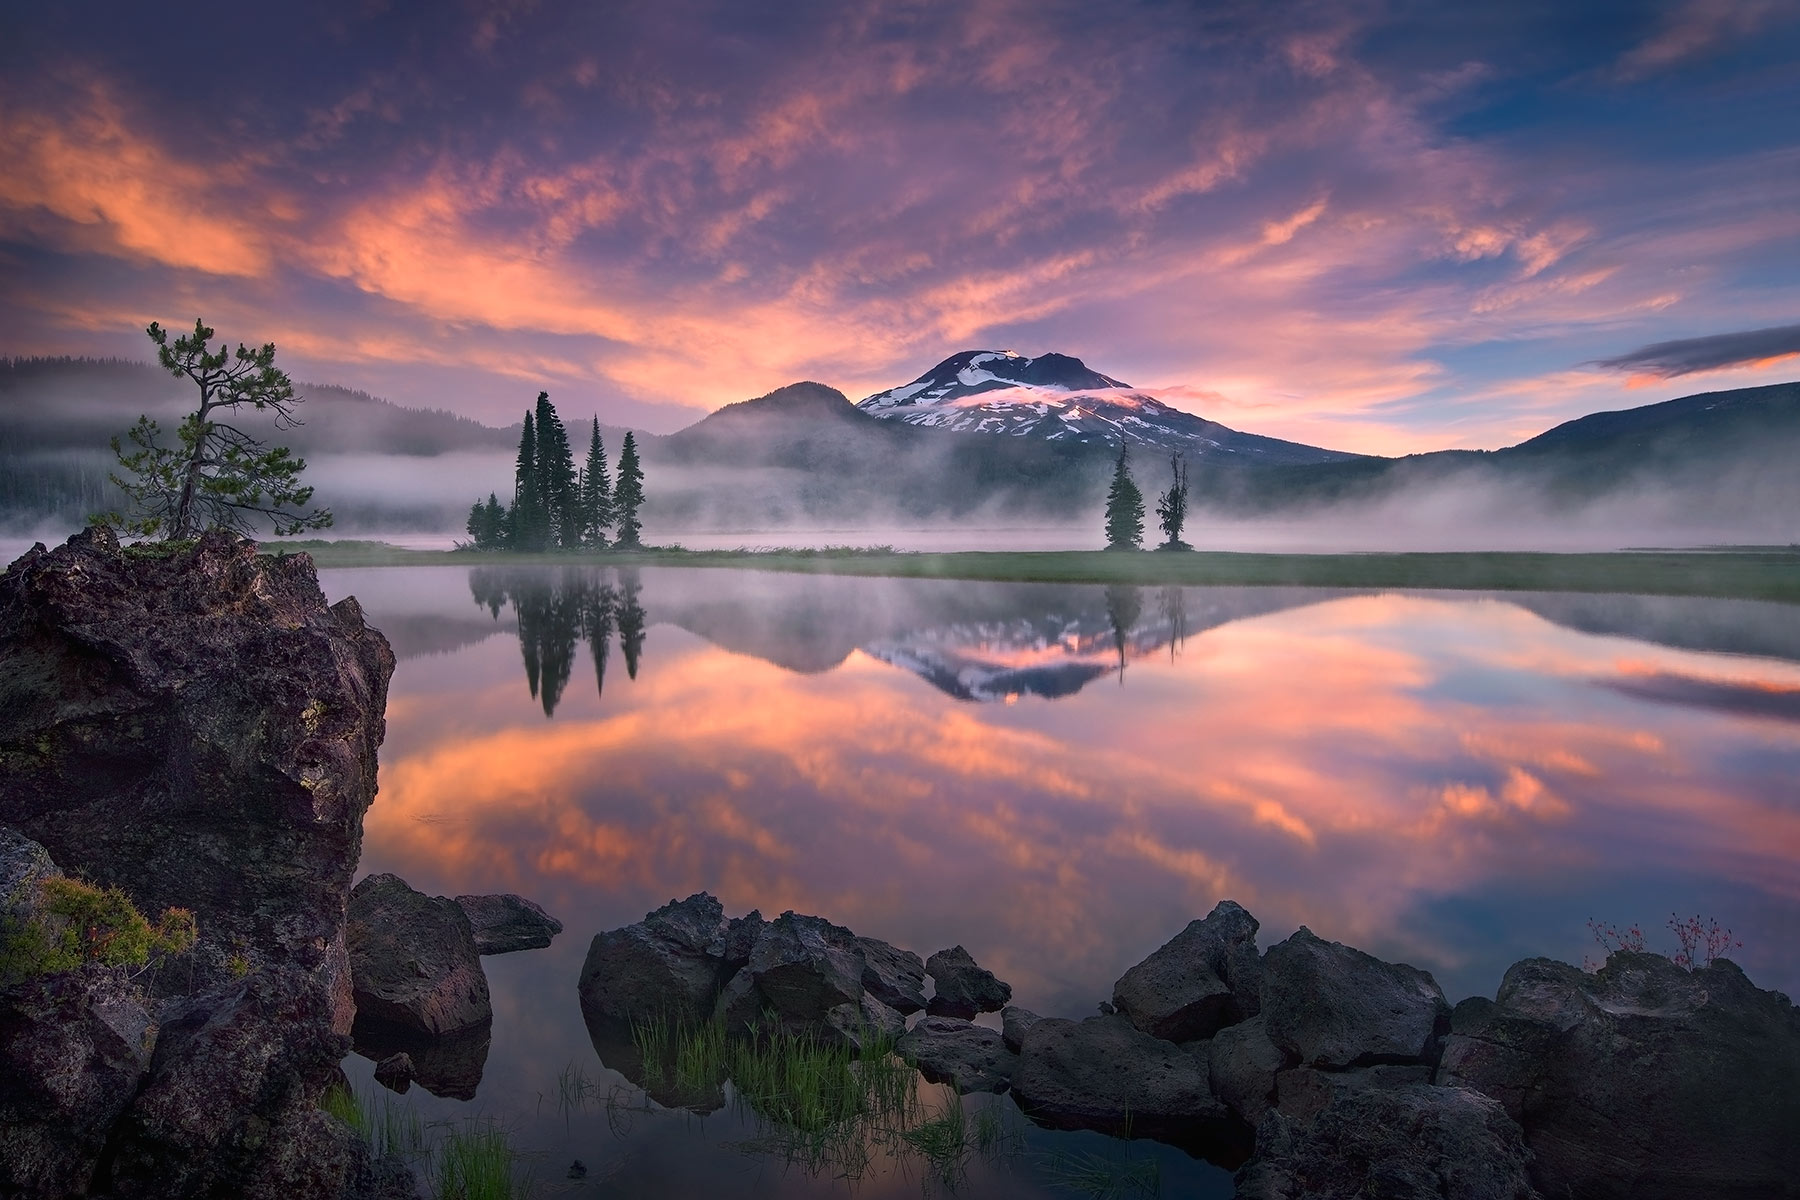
(1746, 573)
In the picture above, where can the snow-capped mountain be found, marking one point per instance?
(1056, 397)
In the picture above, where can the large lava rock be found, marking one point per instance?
(1330, 1005)
(506, 923)
(893, 976)
(413, 960)
(1205, 978)
(963, 987)
(1244, 1063)
(1104, 1074)
(200, 728)
(671, 964)
(1412, 1142)
(970, 1058)
(73, 1050)
(1644, 1080)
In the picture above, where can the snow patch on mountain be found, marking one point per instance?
(1059, 398)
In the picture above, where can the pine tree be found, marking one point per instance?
(596, 493)
(528, 522)
(1171, 506)
(556, 477)
(219, 475)
(628, 493)
(1124, 507)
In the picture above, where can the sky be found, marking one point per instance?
(1376, 225)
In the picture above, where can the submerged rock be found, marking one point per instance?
(1644, 1080)
(1105, 1074)
(449, 1066)
(396, 1072)
(1331, 1005)
(413, 960)
(507, 923)
(971, 1058)
(1203, 979)
(1413, 1142)
(964, 988)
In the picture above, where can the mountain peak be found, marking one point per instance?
(1058, 397)
(804, 399)
(973, 371)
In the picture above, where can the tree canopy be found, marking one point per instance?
(218, 474)
(555, 505)
(1124, 506)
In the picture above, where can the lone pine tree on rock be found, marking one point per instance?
(219, 475)
(1124, 507)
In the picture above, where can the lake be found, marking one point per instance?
(1058, 778)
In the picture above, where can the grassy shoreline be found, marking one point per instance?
(1741, 573)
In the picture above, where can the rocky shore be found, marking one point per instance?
(1315, 1070)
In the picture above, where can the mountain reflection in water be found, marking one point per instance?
(1457, 781)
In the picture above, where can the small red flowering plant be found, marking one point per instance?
(1702, 940)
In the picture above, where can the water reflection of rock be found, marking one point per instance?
(449, 1066)
(556, 609)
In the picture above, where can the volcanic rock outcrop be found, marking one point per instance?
(196, 725)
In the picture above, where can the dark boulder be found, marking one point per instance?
(671, 964)
(506, 923)
(74, 1049)
(1644, 1080)
(24, 865)
(893, 976)
(970, 1058)
(1411, 1142)
(396, 1072)
(1242, 1066)
(963, 987)
(1330, 1005)
(413, 960)
(229, 1068)
(1203, 979)
(1105, 1074)
(1014, 1021)
(805, 966)
(200, 728)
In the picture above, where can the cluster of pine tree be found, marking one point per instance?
(557, 506)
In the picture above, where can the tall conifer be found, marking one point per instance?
(596, 493)
(628, 493)
(556, 477)
(1124, 507)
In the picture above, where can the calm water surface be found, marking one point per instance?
(1059, 778)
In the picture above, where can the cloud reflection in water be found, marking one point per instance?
(1435, 779)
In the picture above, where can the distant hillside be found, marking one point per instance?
(80, 404)
(804, 454)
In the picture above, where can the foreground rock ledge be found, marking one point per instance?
(199, 728)
(1315, 1070)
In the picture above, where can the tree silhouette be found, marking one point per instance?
(219, 475)
(628, 493)
(1124, 507)
(1124, 603)
(596, 493)
(1171, 506)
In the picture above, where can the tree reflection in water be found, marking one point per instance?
(556, 609)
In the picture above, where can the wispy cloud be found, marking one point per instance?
(1689, 356)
